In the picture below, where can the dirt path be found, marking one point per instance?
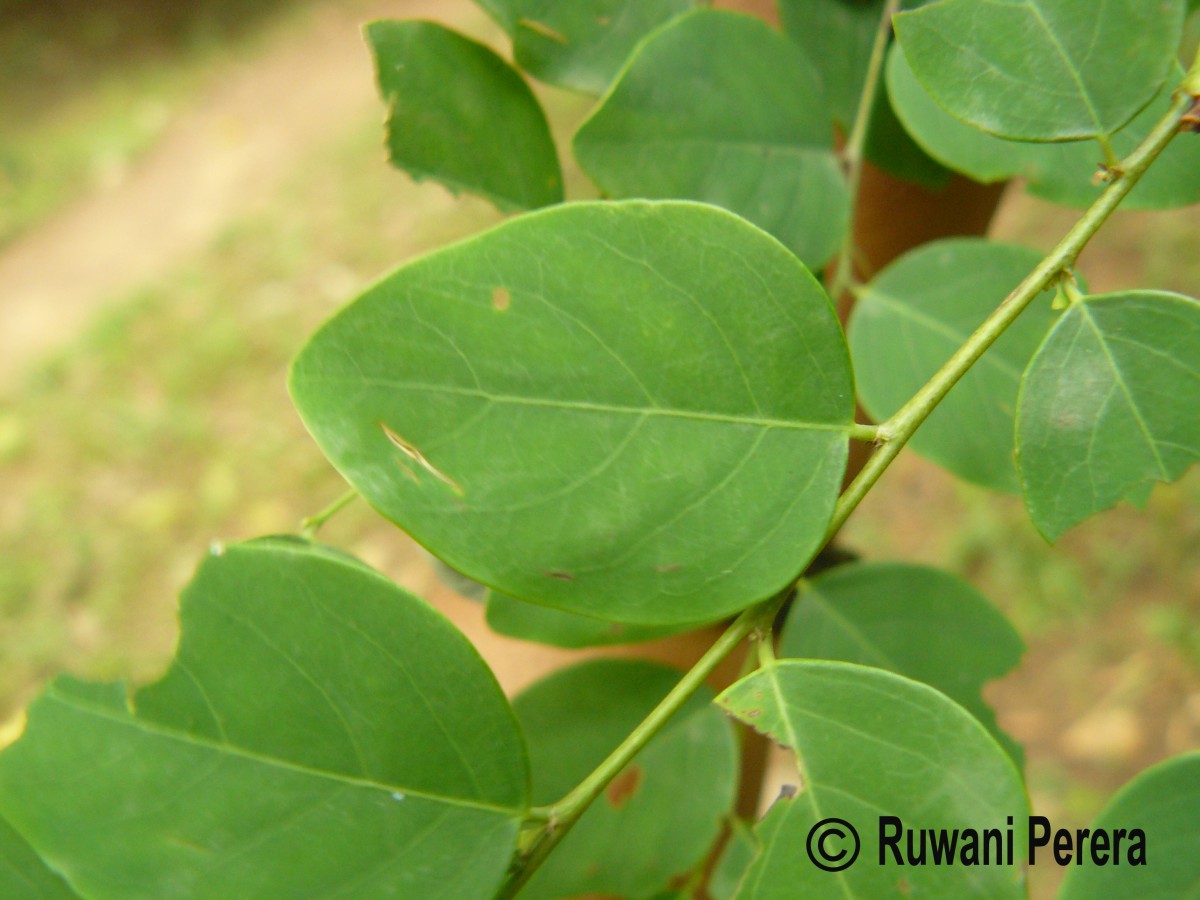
(220, 158)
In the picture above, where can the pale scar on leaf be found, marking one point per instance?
(419, 458)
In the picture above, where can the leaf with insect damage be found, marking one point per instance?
(869, 743)
(634, 411)
(320, 732)
(459, 114)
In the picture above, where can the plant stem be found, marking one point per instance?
(853, 152)
(566, 812)
(868, 434)
(895, 432)
(310, 526)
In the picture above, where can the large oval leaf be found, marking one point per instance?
(722, 108)
(870, 743)
(658, 818)
(636, 411)
(896, 616)
(1110, 403)
(583, 45)
(1162, 803)
(1060, 172)
(912, 317)
(321, 731)
(1043, 70)
(461, 115)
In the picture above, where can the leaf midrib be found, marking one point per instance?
(159, 730)
(588, 406)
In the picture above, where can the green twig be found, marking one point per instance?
(561, 816)
(895, 432)
(853, 152)
(868, 434)
(310, 526)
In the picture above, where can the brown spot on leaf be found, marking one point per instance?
(623, 787)
(561, 576)
(669, 567)
(501, 299)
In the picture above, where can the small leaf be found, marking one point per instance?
(1061, 172)
(1162, 803)
(720, 107)
(24, 875)
(912, 317)
(896, 616)
(583, 45)
(1110, 403)
(459, 114)
(1042, 70)
(870, 743)
(659, 817)
(321, 731)
(634, 411)
(531, 622)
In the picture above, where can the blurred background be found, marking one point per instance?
(188, 189)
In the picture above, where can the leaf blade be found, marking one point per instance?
(1042, 70)
(459, 114)
(643, 396)
(1108, 405)
(225, 777)
(721, 108)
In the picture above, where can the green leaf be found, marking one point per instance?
(658, 818)
(320, 731)
(870, 743)
(583, 45)
(837, 37)
(459, 114)
(502, 11)
(722, 108)
(531, 622)
(1042, 70)
(1162, 802)
(914, 315)
(736, 857)
(23, 873)
(1110, 403)
(1062, 172)
(896, 616)
(635, 411)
